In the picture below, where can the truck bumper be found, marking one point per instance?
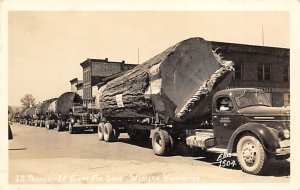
(283, 151)
(284, 147)
(87, 126)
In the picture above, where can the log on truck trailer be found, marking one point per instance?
(177, 84)
(30, 112)
(59, 110)
(41, 112)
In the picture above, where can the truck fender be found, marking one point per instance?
(263, 133)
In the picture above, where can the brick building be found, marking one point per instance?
(261, 67)
(77, 86)
(94, 70)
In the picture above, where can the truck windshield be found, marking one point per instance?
(246, 99)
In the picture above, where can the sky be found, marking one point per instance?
(45, 49)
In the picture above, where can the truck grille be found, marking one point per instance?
(86, 119)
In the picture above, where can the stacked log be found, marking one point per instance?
(177, 84)
(65, 102)
(44, 106)
(31, 111)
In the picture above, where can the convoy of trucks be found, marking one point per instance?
(182, 96)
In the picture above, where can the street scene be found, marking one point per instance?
(58, 157)
(133, 105)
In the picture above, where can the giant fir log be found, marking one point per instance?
(177, 84)
(61, 107)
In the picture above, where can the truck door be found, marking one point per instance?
(225, 120)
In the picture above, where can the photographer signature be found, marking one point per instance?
(225, 161)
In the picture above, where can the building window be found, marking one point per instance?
(238, 71)
(264, 72)
(286, 73)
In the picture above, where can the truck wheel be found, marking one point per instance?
(101, 131)
(108, 134)
(51, 124)
(71, 128)
(59, 125)
(63, 125)
(251, 155)
(116, 134)
(161, 142)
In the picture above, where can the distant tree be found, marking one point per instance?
(27, 101)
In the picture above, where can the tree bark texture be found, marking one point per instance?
(177, 84)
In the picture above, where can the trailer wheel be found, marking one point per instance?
(101, 131)
(51, 124)
(63, 125)
(71, 128)
(108, 134)
(59, 125)
(41, 123)
(161, 142)
(116, 134)
(251, 155)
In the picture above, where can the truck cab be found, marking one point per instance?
(245, 124)
(82, 118)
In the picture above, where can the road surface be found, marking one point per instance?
(41, 156)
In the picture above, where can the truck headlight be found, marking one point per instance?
(286, 134)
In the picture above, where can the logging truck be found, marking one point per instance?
(181, 94)
(58, 113)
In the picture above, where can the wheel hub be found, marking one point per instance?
(249, 153)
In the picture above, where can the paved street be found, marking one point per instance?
(38, 155)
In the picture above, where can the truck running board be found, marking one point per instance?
(217, 150)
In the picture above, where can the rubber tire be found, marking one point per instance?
(258, 166)
(71, 129)
(47, 124)
(41, 123)
(59, 126)
(63, 125)
(164, 147)
(108, 132)
(101, 131)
